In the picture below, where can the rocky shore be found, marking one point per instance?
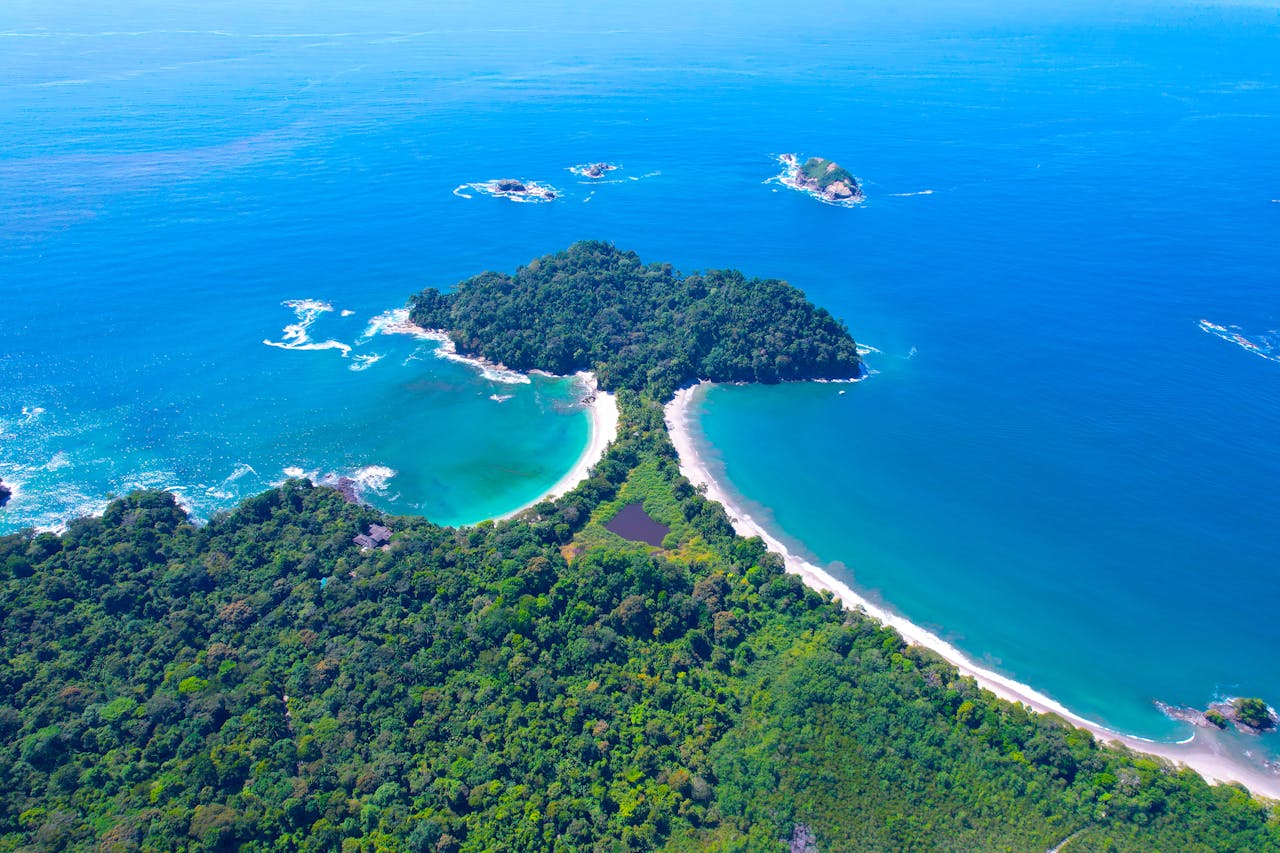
(1251, 716)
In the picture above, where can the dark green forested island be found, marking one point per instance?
(822, 178)
(262, 682)
(640, 327)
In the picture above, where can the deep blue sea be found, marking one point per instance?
(1056, 465)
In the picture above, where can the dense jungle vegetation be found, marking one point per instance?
(260, 682)
(644, 328)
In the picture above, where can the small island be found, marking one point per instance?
(5, 493)
(823, 179)
(512, 189)
(593, 170)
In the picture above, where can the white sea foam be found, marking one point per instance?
(30, 414)
(448, 350)
(496, 373)
(1263, 344)
(535, 192)
(294, 472)
(241, 469)
(156, 479)
(59, 461)
(373, 477)
(790, 178)
(297, 336)
(908, 195)
(396, 322)
(226, 490)
(15, 490)
(500, 398)
(346, 312)
(364, 362)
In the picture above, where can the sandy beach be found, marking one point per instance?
(602, 407)
(603, 410)
(1201, 753)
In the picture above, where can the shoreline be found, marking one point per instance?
(1201, 754)
(602, 408)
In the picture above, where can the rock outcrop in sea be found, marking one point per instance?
(593, 170)
(5, 493)
(1251, 716)
(823, 179)
(512, 189)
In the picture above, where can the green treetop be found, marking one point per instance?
(640, 327)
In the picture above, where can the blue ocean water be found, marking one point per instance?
(1056, 465)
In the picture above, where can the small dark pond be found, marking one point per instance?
(633, 523)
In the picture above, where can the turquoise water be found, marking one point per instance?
(1056, 465)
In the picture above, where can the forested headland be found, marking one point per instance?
(640, 327)
(261, 682)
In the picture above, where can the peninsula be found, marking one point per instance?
(821, 178)
(542, 683)
(640, 327)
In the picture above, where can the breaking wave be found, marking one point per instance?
(297, 336)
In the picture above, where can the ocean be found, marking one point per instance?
(1065, 459)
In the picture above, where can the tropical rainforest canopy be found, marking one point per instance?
(262, 682)
(643, 328)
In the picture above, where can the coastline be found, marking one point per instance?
(602, 408)
(1201, 754)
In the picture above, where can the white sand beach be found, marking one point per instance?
(1200, 753)
(603, 410)
(601, 405)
